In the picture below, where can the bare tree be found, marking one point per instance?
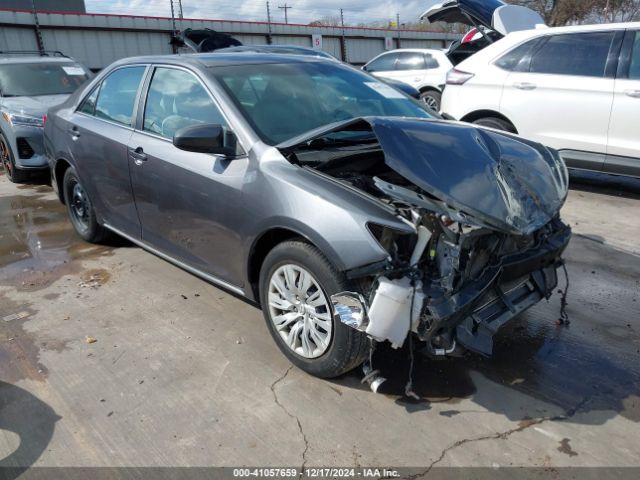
(609, 11)
(328, 21)
(561, 12)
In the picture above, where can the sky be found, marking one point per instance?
(302, 11)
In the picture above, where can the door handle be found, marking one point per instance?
(138, 155)
(525, 86)
(74, 132)
(632, 93)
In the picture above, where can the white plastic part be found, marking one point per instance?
(390, 311)
(423, 238)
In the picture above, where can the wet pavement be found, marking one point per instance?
(182, 373)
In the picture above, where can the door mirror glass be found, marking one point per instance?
(206, 138)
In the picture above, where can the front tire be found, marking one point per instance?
(14, 174)
(296, 282)
(80, 209)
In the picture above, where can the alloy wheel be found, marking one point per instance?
(431, 102)
(300, 311)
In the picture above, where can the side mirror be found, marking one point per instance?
(206, 138)
(364, 67)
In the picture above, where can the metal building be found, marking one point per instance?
(45, 5)
(99, 39)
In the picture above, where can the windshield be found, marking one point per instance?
(32, 79)
(282, 101)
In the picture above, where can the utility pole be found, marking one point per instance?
(173, 26)
(180, 15)
(398, 28)
(285, 8)
(269, 41)
(343, 41)
(39, 40)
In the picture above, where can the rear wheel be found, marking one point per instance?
(6, 156)
(80, 209)
(495, 122)
(296, 282)
(432, 99)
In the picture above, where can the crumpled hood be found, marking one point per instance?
(36, 106)
(497, 179)
(502, 180)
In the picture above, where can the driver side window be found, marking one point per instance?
(176, 99)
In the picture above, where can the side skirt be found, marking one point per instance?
(177, 263)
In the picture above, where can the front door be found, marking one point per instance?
(188, 202)
(563, 99)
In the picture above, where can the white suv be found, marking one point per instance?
(576, 89)
(424, 69)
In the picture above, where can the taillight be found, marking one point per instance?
(469, 36)
(458, 77)
(44, 119)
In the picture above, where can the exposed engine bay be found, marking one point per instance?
(487, 238)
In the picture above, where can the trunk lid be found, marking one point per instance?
(492, 14)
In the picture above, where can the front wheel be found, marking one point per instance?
(80, 209)
(296, 282)
(6, 157)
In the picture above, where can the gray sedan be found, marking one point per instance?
(336, 202)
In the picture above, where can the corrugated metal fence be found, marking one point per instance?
(99, 39)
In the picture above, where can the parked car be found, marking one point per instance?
(281, 49)
(336, 202)
(30, 83)
(296, 50)
(423, 69)
(576, 89)
(491, 20)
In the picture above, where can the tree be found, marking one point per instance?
(609, 11)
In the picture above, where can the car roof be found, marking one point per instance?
(11, 59)
(213, 59)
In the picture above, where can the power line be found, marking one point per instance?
(285, 7)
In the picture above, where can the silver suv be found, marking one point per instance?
(30, 83)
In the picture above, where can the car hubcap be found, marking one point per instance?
(300, 311)
(6, 159)
(80, 205)
(431, 102)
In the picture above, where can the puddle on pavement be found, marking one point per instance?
(20, 349)
(37, 242)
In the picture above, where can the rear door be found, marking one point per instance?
(188, 202)
(562, 95)
(99, 132)
(623, 150)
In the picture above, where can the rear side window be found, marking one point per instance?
(410, 61)
(118, 95)
(518, 59)
(634, 67)
(383, 63)
(430, 61)
(176, 99)
(582, 54)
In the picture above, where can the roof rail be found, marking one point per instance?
(43, 53)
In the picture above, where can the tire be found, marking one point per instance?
(80, 209)
(13, 173)
(432, 99)
(495, 122)
(344, 348)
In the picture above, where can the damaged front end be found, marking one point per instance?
(487, 238)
